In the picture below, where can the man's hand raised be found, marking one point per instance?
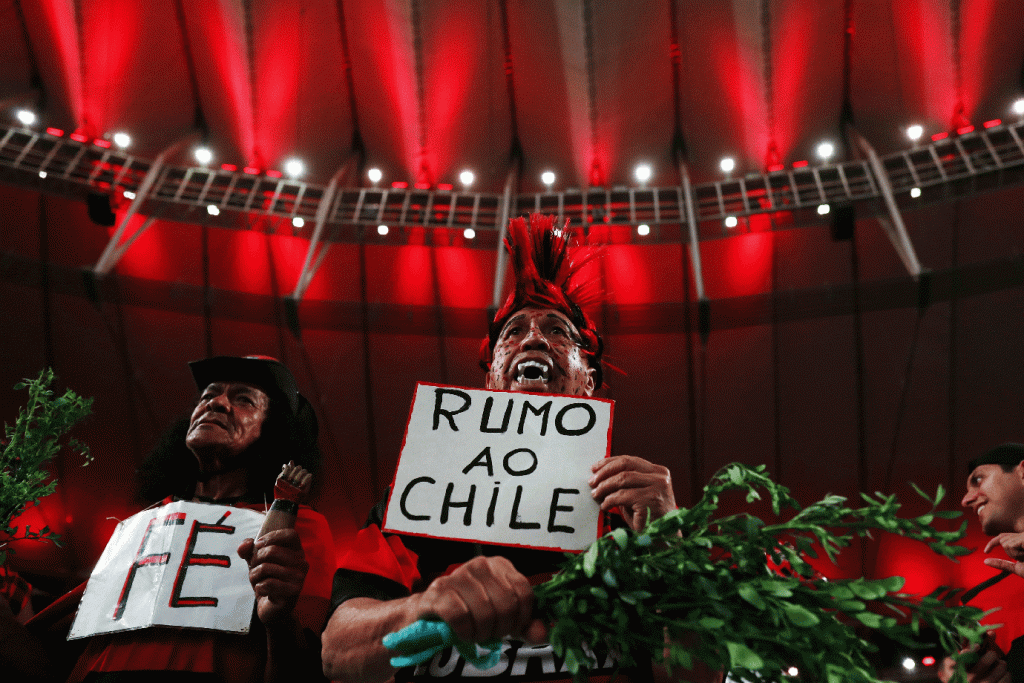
(637, 487)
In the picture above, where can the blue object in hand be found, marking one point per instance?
(419, 641)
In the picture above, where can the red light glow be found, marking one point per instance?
(939, 136)
(928, 661)
(445, 187)
(399, 184)
(993, 123)
(964, 130)
(229, 167)
(105, 144)
(274, 174)
(57, 132)
(776, 167)
(78, 137)
(251, 170)
(800, 164)
(422, 186)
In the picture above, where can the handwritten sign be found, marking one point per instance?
(175, 565)
(506, 468)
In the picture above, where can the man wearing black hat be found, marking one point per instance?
(995, 491)
(540, 341)
(248, 421)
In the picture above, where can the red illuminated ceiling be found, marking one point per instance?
(585, 88)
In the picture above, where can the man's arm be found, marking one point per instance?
(277, 571)
(484, 599)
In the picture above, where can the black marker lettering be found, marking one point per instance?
(482, 460)
(514, 522)
(555, 507)
(494, 503)
(520, 473)
(560, 425)
(191, 558)
(543, 411)
(141, 560)
(450, 414)
(467, 518)
(405, 496)
(486, 418)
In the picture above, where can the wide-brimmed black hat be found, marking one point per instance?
(269, 374)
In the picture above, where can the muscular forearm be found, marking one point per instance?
(352, 649)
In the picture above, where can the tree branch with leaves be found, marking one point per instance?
(35, 438)
(741, 596)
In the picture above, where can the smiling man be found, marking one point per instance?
(995, 492)
(539, 341)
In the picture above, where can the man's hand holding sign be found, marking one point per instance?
(524, 465)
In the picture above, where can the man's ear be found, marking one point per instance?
(589, 387)
(1019, 471)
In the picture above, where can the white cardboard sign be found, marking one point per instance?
(175, 565)
(499, 467)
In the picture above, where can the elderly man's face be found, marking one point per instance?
(539, 350)
(997, 497)
(227, 420)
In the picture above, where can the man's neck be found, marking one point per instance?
(222, 484)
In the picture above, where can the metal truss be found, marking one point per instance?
(956, 166)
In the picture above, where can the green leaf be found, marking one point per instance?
(590, 560)
(800, 615)
(750, 594)
(711, 623)
(869, 619)
(742, 656)
(621, 537)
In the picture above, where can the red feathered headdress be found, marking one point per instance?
(544, 278)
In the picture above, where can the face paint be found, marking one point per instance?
(539, 350)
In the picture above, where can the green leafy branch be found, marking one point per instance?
(740, 595)
(34, 440)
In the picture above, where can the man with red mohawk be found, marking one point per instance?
(541, 340)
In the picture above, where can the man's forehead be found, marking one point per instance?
(523, 313)
(235, 386)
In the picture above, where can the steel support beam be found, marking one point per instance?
(501, 258)
(115, 249)
(691, 224)
(317, 247)
(894, 227)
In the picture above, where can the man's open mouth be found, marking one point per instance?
(532, 372)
